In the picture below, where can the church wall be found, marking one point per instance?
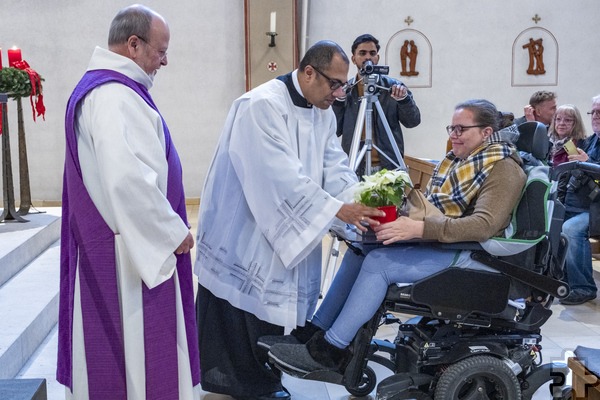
(471, 56)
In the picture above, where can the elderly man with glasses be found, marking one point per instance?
(277, 181)
(578, 262)
(126, 319)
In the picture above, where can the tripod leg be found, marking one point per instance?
(331, 266)
(360, 123)
(388, 130)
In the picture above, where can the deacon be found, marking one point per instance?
(277, 181)
(127, 326)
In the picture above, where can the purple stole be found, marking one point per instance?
(87, 240)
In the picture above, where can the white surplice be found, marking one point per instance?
(121, 148)
(276, 182)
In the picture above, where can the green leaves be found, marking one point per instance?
(384, 188)
(15, 83)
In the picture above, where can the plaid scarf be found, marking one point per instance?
(456, 182)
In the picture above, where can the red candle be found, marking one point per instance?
(0, 58)
(14, 55)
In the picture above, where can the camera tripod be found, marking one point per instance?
(356, 155)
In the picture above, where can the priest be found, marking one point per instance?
(127, 326)
(277, 181)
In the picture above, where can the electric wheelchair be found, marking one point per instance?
(475, 334)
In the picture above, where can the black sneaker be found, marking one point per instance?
(576, 297)
(267, 341)
(296, 358)
(316, 355)
(299, 335)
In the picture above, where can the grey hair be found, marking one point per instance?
(132, 20)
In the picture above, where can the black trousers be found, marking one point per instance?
(230, 360)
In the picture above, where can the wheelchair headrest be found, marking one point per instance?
(533, 138)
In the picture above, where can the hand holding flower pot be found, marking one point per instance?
(384, 190)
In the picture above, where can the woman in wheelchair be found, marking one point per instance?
(475, 187)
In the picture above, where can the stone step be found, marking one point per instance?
(21, 242)
(23, 389)
(29, 291)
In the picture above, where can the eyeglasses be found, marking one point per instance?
(459, 129)
(594, 113)
(162, 54)
(558, 120)
(334, 84)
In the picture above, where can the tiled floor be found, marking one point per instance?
(568, 327)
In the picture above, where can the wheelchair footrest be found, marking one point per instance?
(394, 386)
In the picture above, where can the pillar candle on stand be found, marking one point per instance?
(273, 24)
(14, 55)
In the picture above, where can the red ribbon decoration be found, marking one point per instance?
(36, 81)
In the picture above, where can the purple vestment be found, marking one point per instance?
(87, 241)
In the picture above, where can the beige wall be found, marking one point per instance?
(471, 57)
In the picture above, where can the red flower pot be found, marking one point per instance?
(391, 213)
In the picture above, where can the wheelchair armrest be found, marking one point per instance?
(591, 169)
(352, 235)
(456, 293)
(473, 246)
(544, 283)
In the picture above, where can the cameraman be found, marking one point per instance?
(397, 104)
(581, 192)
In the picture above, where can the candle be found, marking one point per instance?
(0, 57)
(273, 21)
(14, 55)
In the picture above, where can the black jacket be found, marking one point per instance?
(403, 112)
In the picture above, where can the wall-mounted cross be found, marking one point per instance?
(536, 18)
(409, 20)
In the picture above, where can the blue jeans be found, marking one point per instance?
(578, 261)
(361, 283)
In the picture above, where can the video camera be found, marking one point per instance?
(581, 180)
(369, 68)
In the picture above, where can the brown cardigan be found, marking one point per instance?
(489, 213)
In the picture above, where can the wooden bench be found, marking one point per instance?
(585, 384)
(585, 367)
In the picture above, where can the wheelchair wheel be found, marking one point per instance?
(366, 385)
(481, 377)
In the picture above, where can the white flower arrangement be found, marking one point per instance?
(384, 188)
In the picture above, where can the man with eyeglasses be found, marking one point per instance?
(126, 315)
(397, 103)
(578, 261)
(277, 181)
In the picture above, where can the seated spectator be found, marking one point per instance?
(578, 261)
(476, 186)
(566, 125)
(541, 108)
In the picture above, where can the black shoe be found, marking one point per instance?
(576, 297)
(306, 332)
(279, 395)
(316, 355)
(300, 335)
(267, 341)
